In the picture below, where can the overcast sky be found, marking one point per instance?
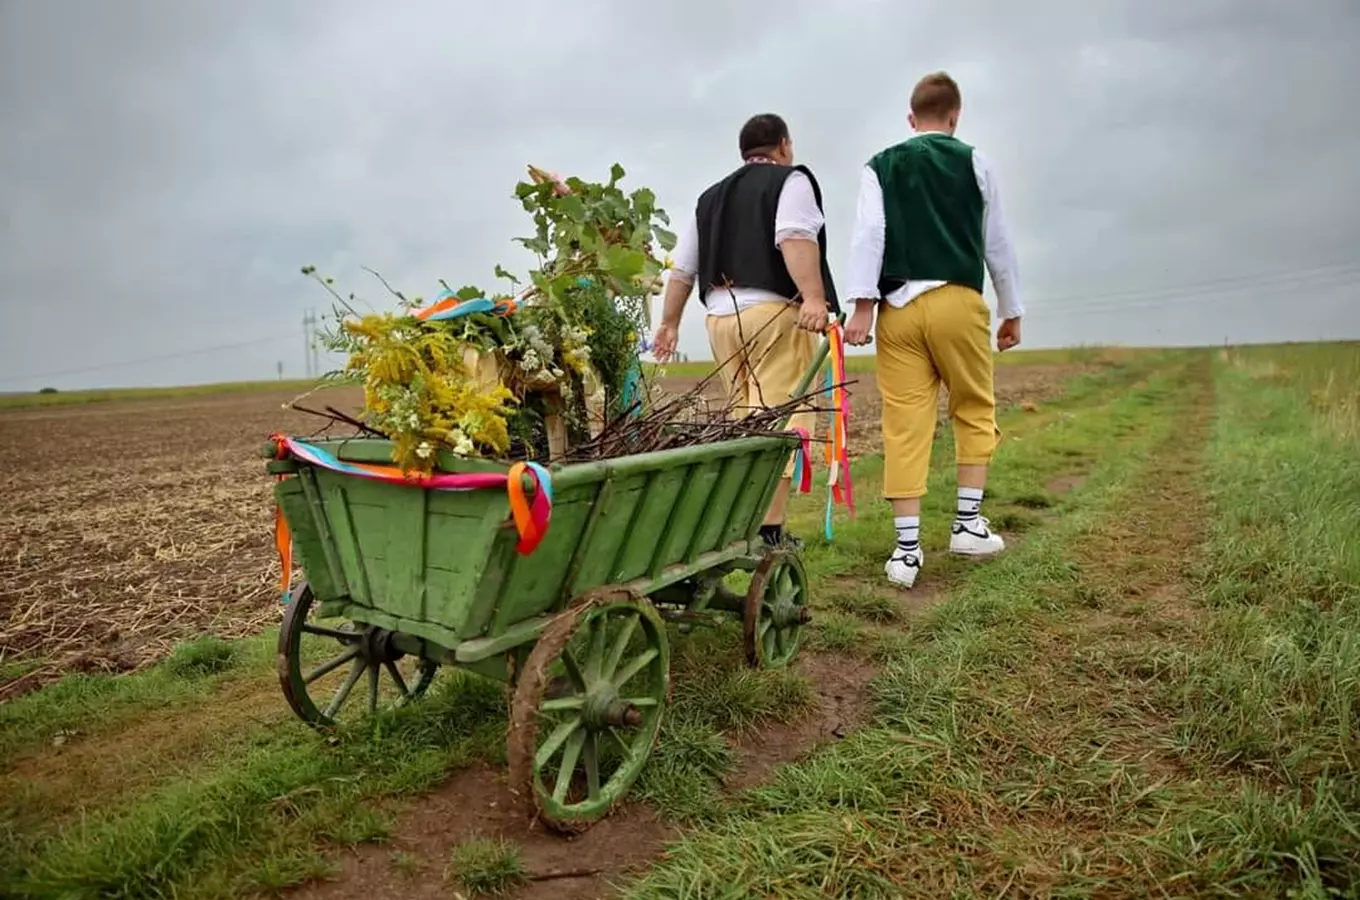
(1176, 171)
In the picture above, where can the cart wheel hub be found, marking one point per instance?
(603, 708)
(787, 615)
(378, 646)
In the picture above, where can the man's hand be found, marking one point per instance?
(663, 344)
(812, 316)
(858, 331)
(1008, 335)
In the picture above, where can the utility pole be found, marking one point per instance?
(309, 342)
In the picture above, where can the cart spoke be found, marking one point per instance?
(642, 702)
(578, 679)
(556, 740)
(395, 675)
(635, 666)
(563, 704)
(764, 628)
(569, 757)
(374, 673)
(592, 762)
(626, 747)
(595, 658)
(620, 646)
(346, 636)
(329, 667)
(342, 694)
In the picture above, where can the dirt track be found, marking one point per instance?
(130, 526)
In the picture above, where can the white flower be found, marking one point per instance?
(424, 451)
(531, 361)
(463, 444)
(413, 421)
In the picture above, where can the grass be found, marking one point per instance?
(106, 395)
(1126, 705)
(1154, 693)
(486, 867)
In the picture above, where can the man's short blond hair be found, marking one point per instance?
(936, 96)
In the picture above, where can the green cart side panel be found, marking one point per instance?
(442, 565)
(708, 533)
(310, 547)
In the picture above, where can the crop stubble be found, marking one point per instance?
(129, 526)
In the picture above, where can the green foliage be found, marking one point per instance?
(567, 344)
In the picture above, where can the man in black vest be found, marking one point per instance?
(757, 247)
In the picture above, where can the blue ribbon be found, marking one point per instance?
(467, 307)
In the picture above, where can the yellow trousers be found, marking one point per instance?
(762, 355)
(942, 335)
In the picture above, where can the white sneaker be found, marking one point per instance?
(902, 572)
(975, 538)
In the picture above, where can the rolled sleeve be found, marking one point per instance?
(999, 249)
(685, 261)
(866, 241)
(797, 216)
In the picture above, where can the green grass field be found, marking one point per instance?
(1154, 693)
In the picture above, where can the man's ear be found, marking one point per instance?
(911, 120)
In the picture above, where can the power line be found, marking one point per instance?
(1101, 304)
(1339, 268)
(160, 358)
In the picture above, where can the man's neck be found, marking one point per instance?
(934, 128)
(765, 160)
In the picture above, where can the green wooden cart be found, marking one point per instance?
(400, 580)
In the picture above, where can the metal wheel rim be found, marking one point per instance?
(364, 672)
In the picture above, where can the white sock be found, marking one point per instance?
(970, 503)
(908, 535)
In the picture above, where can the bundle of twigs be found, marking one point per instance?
(688, 419)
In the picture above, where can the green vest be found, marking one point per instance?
(932, 208)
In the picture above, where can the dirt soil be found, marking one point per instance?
(476, 803)
(128, 526)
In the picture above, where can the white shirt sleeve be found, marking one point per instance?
(797, 215)
(685, 259)
(999, 250)
(866, 242)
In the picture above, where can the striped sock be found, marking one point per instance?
(970, 504)
(908, 536)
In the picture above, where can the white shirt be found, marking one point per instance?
(866, 246)
(796, 216)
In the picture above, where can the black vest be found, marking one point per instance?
(735, 221)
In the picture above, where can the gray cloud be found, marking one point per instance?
(166, 167)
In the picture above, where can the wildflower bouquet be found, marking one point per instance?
(522, 374)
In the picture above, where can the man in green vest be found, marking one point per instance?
(929, 220)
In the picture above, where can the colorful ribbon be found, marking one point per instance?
(531, 515)
(802, 461)
(839, 486)
(447, 306)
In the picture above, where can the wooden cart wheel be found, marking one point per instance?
(587, 709)
(776, 610)
(328, 661)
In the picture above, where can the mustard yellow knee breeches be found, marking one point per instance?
(762, 355)
(943, 335)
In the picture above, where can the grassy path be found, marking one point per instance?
(1139, 702)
